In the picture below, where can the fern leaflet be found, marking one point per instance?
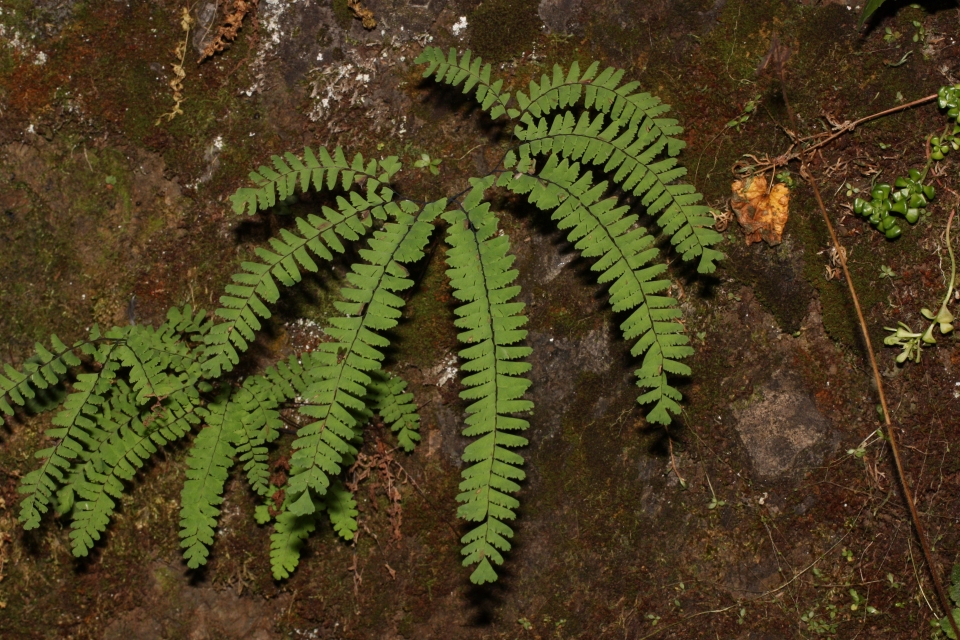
(290, 172)
(396, 407)
(451, 69)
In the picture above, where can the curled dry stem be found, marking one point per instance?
(806, 145)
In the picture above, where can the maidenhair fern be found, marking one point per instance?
(586, 148)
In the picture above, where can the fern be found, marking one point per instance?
(480, 275)
(369, 305)
(210, 459)
(256, 285)
(395, 407)
(19, 386)
(600, 229)
(585, 148)
(258, 425)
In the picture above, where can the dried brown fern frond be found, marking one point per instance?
(234, 13)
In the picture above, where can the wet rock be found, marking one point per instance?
(204, 32)
(752, 577)
(557, 365)
(781, 428)
(174, 609)
(560, 16)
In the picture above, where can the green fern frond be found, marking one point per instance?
(342, 510)
(259, 425)
(629, 152)
(45, 369)
(290, 172)
(559, 92)
(481, 277)
(601, 93)
(158, 360)
(256, 285)
(208, 464)
(290, 532)
(453, 69)
(600, 229)
(287, 377)
(74, 434)
(153, 386)
(337, 396)
(117, 458)
(397, 408)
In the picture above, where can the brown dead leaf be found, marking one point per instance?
(364, 14)
(761, 214)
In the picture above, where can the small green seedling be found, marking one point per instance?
(425, 162)
(748, 108)
(921, 34)
(787, 178)
(887, 272)
(909, 341)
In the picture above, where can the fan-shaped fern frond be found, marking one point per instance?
(481, 278)
(136, 389)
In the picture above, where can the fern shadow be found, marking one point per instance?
(446, 101)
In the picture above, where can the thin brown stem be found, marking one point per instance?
(891, 434)
(853, 125)
(792, 153)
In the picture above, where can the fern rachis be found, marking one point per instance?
(150, 387)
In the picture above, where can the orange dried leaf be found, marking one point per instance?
(363, 14)
(761, 214)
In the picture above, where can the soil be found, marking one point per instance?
(769, 509)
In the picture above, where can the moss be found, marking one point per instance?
(427, 329)
(501, 29)
(343, 14)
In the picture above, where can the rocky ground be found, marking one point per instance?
(768, 510)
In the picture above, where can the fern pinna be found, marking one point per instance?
(584, 145)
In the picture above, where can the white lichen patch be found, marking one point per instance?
(270, 16)
(442, 373)
(459, 26)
